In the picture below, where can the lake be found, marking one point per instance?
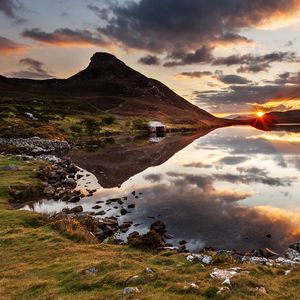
(231, 188)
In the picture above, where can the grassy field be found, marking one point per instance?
(37, 262)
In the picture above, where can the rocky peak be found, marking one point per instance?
(99, 59)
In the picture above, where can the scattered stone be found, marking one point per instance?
(266, 252)
(149, 270)
(190, 285)
(159, 227)
(190, 258)
(133, 234)
(96, 207)
(130, 290)
(287, 272)
(205, 259)
(100, 213)
(222, 274)
(133, 279)
(92, 270)
(131, 206)
(226, 282)
(261, 290)
(292, 254)
(183, 242)
(76, 209)
(123, 211)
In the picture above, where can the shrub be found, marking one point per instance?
(92, 126)
(76, 128)
(73, 229)
(150, 241)
(108, 119)
(140, 124)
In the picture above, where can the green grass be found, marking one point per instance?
(38, 262)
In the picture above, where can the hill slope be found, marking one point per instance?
(109, 85)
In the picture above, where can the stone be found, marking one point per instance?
(96, 207)
(100, 213)
(123, 211)
(49, 191)
(190, 258)
(183, 242)
(149, 270)
(133, 279)
(131, 206)
(222, 274)
(130, 290)
(266, 252)
(92, 270)
(76, 209)
(74, 199)
(226, 282)
(261, 290)
(190, 285)
(292, 254)
(133, 234)
(295, 246)
(224, 290)
(159, 227)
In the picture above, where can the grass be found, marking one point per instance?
(39, 262)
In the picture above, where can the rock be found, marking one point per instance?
(131, 206)
(96, 207)
(133, 234)
(49, 191)
(168, 236)
(269, 235)
(222, 274)
(159, 227)
(76, 209)
(190, 258)
(183, 242)
(295, 246)
(11, 168)
(123, 211)
(205, 259)
(261, 290)
(130, 290)
(100, 213)
(92, 270)
(74, 199)
(149, 270)
(292, 254)
(190, 285)
(266, 252)
(287, 272)
(226, 282)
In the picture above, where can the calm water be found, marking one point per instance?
(228, 188)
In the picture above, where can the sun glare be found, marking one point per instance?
(260, 114)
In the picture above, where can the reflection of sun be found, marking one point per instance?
(260, 114)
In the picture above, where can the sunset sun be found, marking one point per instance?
(260, 114)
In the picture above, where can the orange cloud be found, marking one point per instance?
(8, 46)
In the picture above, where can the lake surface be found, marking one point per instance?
(228, 188)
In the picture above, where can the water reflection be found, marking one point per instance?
(229, 188)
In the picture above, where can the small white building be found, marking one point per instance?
(156, 126)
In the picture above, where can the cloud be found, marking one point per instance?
(196, 74)
(179, 58)
(9, 8)
(149, 60)
(65, 37)
(154, 177)
(250, 63)
(213, 218)
(197, 165)
(232, 160)
(8, 46)
(172, 25)
(34, 70)
(233, 79)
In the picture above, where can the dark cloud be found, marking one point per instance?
(171, 25)
(179, 58)
(101, 12)
(149, 60)
(8, 46)
(9, 8)
(252, 170)
(250, 63)
(243, 96)
(232, 160)
(65, 37)
(34, 70)
(196, 74)
(154, 177)
(197, 165)
(233, 79)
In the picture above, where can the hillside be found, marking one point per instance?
(109, 85)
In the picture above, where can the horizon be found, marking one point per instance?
(230, 58)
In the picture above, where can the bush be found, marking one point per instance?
(76, 128)
(108, 120)
(92, 126)
(140, 124)
(150, 241)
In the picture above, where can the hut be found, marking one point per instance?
(156, 127)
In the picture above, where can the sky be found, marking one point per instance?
(225, 56)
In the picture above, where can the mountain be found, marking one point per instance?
(241, 117)
(288, 117)
(109, 85)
